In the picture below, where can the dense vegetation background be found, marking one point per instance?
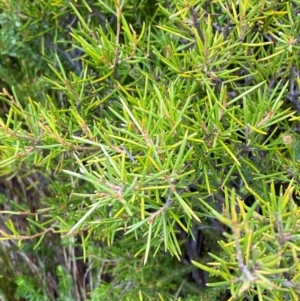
(149, 150)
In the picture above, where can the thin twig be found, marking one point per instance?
(242, 267)
(196, 24)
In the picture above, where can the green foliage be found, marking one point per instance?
(259, 257)
(65, 283)
(27, 290)
(159, 135)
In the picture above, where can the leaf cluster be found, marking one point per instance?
(162, 121)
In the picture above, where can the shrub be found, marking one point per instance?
(159, 158)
